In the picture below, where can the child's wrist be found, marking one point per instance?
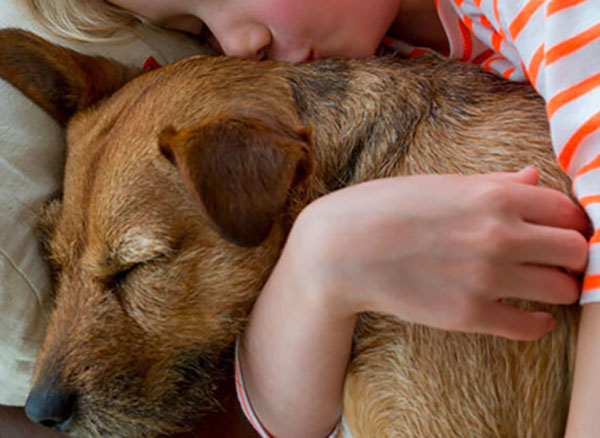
(307, 265)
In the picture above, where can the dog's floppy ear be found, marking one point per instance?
(239, 170)
(60, 80)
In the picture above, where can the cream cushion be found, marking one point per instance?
(31, 161)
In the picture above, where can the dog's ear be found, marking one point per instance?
(60, 80)
(239, 170)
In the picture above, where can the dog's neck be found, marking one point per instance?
(350, 107)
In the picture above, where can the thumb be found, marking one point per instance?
(527, 175)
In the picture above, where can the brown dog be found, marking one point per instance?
(180, 187)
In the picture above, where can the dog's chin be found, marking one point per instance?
(103, 426)
(140, 422)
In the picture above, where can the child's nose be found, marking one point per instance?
(248, 42)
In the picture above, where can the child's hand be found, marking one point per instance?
(445, 250)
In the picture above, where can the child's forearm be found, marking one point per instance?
(295, 352)
(584, 413)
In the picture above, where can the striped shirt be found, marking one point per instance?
(555, 45)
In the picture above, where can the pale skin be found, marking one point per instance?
(457, 260)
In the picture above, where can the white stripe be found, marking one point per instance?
(487, 8)
(588, 150)
(572, 69)
(569, 118)
(570, 22)
(449, 17)
(587, 184)
(590, 296)
(531, 36)
(593, 211)
(593, 267)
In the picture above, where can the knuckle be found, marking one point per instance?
(494, 194)
(497, 239)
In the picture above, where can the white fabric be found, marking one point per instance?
(31, 161)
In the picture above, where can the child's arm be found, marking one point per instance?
(584, 421)
(436, 250)
(294, 355)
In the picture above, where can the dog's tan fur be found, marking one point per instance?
(180, 189)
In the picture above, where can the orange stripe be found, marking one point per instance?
(572, 93)
(587, 200)
(417, 52)
(558, 5)
(595, 237)
(534, 65)
(594, 164)
(485, 21)
(572, 44)
(478, 3)
(507, 73)
(502, 34)
(566, 155)
(523, 17)
(483, 56)
(487, 63)
(496, 41)
(467, 43)
(591, 282)
(458, 2)
(468, 22)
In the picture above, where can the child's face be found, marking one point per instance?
(284, 30)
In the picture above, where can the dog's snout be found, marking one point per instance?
(50, 406)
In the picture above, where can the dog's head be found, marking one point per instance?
(172, 215)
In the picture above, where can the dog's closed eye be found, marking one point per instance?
(130, 252)
(119, 278)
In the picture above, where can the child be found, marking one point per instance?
(531, 239)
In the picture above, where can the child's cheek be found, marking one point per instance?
(293, 16)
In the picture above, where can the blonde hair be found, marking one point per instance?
(82, 20)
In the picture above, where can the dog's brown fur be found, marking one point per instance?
(179, 191)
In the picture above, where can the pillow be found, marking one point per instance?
(31, 160)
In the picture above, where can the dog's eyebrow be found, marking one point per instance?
(136, 245)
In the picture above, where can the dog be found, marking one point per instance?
(180, 187)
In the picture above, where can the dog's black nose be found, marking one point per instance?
(50, 406)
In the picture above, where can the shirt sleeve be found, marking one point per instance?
(556, 46)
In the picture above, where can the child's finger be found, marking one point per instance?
(551, 247)
(528, 175)
(539, 283)
(545, 206)
(512, 323)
